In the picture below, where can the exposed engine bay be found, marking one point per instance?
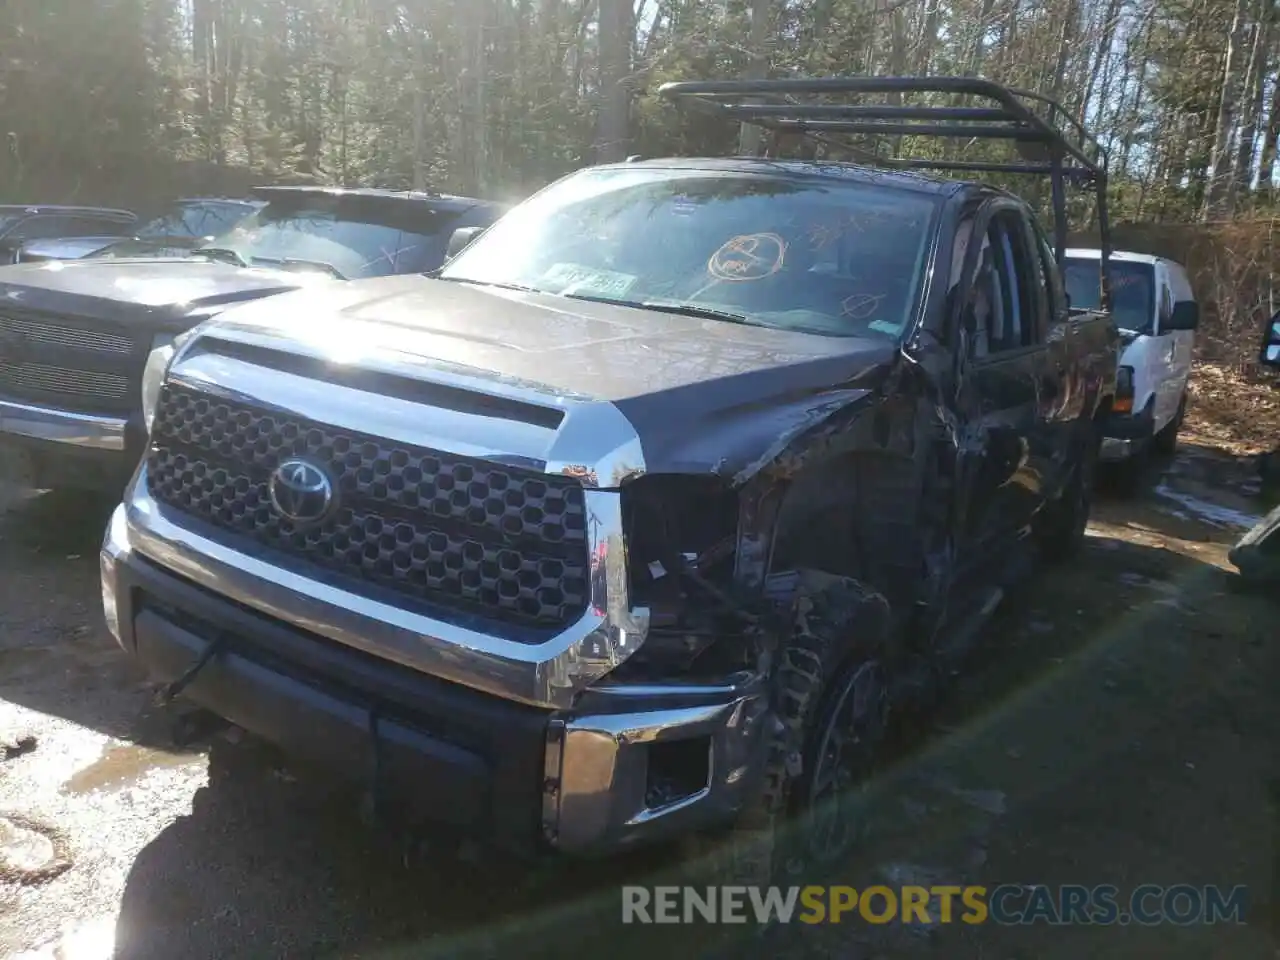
(681, 545)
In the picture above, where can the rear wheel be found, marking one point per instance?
(1061, 528)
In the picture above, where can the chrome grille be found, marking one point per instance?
(43, 378)
(60, 335)
(452, 532)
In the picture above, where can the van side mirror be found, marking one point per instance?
(461, 239)
(1270, 354)
(1185, 316)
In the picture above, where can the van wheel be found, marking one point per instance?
(1166, 441)
(830, 712)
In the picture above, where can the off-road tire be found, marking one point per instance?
(1166, 441)
(837, 637)
(1060, 528)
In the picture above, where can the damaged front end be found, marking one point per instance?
(670, 741)
(674, 739)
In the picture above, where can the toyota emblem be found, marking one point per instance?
(301, 492)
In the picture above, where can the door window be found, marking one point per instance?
(1002, 300)
(1057, 298)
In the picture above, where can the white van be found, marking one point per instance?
(1157, 313)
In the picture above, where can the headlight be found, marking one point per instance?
(163, 349)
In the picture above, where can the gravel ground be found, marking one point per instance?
(1118, 726)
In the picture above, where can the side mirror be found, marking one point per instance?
(1270, 354)
(461, 239)
(1185, 316)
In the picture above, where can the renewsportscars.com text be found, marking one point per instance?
(1008, 904)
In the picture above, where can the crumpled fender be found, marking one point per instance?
(740, 446)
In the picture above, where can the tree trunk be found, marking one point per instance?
(612, 119)
(419, 112)
(1217, 197)
(1242, 174)
(761, 14)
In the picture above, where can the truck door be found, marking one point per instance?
(1060, 392)
(998, 390)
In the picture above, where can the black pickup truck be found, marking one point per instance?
(635, 520)
(76, 337)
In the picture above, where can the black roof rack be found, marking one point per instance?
(1049, 140)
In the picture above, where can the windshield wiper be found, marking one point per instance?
(676, 307)
(489, 283)
(680, 309)
(223, 254)
(316, 264)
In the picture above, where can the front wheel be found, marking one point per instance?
(1166, 441)
(830, 715)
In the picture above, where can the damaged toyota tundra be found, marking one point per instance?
(636, 520)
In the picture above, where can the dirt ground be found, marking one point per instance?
(1118, 726)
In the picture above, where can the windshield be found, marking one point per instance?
(123, 249)
(204, 219)
(837, 259)
(1132, 305)
(346, 236)
(7, 220)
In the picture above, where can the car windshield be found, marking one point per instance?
(201, 219)
(121, 249)
(1132, 285)
(347, 236)
(824, 257)
(7, 220)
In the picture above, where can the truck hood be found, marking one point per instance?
(703, 395)
(159, 293)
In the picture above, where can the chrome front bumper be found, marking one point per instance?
(672, 760)
(627, 765)
(62, 426)
(549, 674)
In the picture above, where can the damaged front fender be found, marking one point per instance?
(738, 447)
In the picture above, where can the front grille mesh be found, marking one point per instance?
(59, 335)
(43, 378)
(464, 534)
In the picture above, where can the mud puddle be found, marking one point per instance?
(123, 765)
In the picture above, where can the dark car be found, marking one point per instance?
(635, 519)
(187, 224)
(90, 227)
(76, 336)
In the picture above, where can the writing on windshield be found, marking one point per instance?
(837, 259)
